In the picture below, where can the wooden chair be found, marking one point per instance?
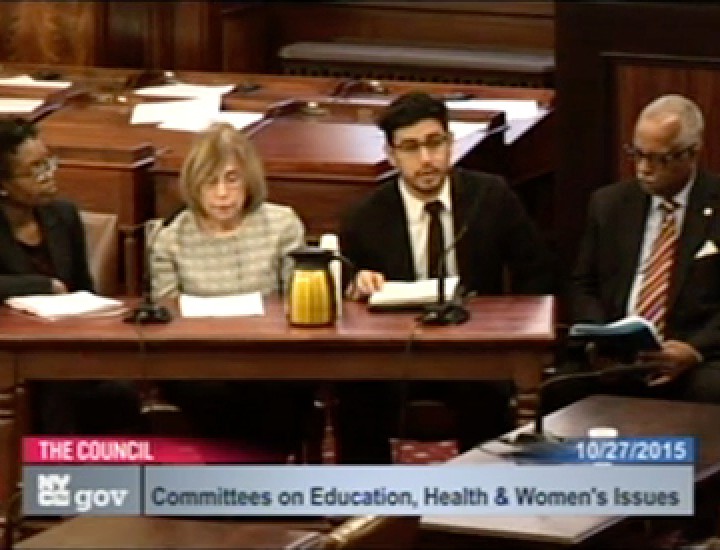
(101, 235)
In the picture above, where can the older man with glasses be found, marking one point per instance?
(651, 248)
(434, 215)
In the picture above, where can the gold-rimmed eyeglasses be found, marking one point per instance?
(433, 143)
(662, 159)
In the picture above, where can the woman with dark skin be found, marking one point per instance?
(42, 251)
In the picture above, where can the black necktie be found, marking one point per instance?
(436, 239)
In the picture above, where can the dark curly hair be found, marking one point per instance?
(409, 109)
(13, 132)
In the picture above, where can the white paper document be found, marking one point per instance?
(19, 105)
(400, 294)
(180, 90)
(30, 82)
(239, 119)
(72, 304)
(514, 109)
(222, 306)
(461, 129)
(177, 112)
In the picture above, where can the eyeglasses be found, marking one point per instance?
(228, 183)
(433, 143)
(663, 159)
(42, 170)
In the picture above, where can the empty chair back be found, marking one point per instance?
(101, 235)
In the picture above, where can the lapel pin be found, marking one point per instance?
(708, 212)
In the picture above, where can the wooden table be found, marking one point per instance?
(632, 417)
(507, 337)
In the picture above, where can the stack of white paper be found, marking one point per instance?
(73, 304)
(460, 129)
(30, 82)
(19, 105)
(401, 294)
(221, 306)
(198, 123)
(168, 111)
(180, 90)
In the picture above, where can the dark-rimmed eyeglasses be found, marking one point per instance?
(42, 170)
(662, 159)
(432, 143)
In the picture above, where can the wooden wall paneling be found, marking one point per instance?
(245, 44)
(134, 31)
(197, 35)
(640, 79)
(164, 35)
(51, 32)
(502, 24)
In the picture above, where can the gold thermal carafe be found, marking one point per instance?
(311, 291)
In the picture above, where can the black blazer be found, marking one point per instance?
(65, 237)
(499, 234)
(609, 252)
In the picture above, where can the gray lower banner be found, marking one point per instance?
(88, 490)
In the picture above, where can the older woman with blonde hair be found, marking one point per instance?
(230, 240)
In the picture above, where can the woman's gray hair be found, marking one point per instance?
(210, 152)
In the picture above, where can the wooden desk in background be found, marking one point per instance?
(317, 160)
(632, 417)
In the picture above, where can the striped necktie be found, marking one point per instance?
(652, 299)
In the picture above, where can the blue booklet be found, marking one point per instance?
(621, 340)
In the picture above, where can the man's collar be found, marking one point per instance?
(415, 207)
(680, 198)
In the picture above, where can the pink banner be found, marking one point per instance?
(153, 450)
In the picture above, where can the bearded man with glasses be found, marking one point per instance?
(651, 248)
(434, 213)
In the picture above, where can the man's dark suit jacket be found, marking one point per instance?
(609, 253)
(65, 240)
(499, 233)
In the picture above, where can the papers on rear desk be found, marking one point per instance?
(190, 115)
(72, 304)
(29, 82)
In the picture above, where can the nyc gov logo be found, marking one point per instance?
(53, 491)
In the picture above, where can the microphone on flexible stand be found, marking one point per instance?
(148, 311)
(444, 311)
(539, 435)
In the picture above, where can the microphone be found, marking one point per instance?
(149, 311)
(539, 435)
(444, 312)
